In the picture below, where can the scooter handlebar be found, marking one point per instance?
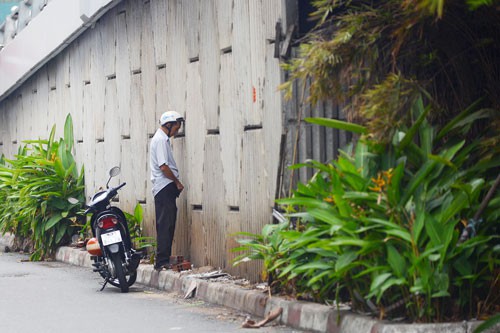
(104, 197)
(114, 191)
(120, 186)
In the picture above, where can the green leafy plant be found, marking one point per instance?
(380, 226)
(267, 246)
(35, 187)
(135, 228)
(488, 324)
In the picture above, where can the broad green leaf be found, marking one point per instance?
(378, 281)
(393, 190)
(138, 212)
(345, 259)
(434, 231)
(61, 231)
(459, 202)
(53, 221)
(327, 215)
(314, 265)
(50, 142)
(318, 277)
(387, 284)
(489, 323)
(59, 168)
(418, 180)
(68, 132)
(410, 134)
(307, 202)
(338, 124)
(361, 196)
(396, 261)
(361, 158)
(392, 229)
(418, 225)
(338, 241)
(465, 120)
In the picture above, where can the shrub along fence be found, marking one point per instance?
(34, 190)
(380, 226)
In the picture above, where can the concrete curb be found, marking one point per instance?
(296, 314)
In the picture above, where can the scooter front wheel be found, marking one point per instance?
(120, 274)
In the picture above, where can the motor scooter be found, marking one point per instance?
(111, 247)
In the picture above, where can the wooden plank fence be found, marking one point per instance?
(212, 61)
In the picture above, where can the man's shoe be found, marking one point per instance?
(163, 267)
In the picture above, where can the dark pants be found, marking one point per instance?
(166, 215)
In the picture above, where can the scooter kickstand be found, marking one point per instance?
(104, 284)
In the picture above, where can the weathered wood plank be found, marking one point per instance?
(4, 132)
(231, 126)
(198, 249)
(209, 63)
(254, 193)
(75, 82)
(123, 73)
(272, 122)
(62, 90)
(62, 93)
(148, 69)
(90, 140)
(108, 37)
(26, 114)
(112, 137)
(162, 95)
(191, 15)
(134, 32)
(53, 106)
(224, 9)
(243, 98)
(11, 120)
(84, 55)
(127, 194)
(213, 202)
(195, 136)
(182, 232)
(176, 57)
(99, 168)
(138, 158)
(271, 12)
(97, 83)
(159, 25)
(42, 101)
(257, 49)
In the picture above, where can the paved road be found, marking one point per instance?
(55, 297)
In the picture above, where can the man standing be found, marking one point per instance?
(166, 185)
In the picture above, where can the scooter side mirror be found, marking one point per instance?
(113, 172)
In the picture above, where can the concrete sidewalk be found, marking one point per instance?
(297, 314)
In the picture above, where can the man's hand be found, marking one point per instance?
(179, 185)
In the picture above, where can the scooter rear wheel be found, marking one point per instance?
(120, 274)
(130, 280)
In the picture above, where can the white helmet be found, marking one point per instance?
(170, 116)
